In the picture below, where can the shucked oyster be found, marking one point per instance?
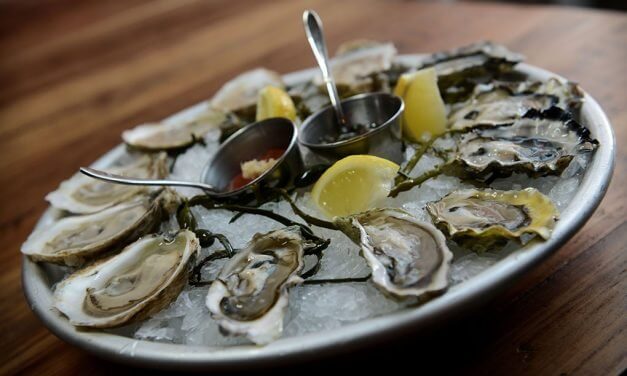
(356, 60)
(459, 70)
(540, 145)
(138, 282)
(407, 257)
(497, 107)
(250, 295)
(502, 102)
(173, 135)
(569, 95)
(82, 194)
(241, 91)
(74, 240)
(484, 219)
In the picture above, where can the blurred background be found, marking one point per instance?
(606, 4)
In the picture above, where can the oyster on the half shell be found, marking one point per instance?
(76, 239)
(497, 107)
(569, 95)
(241, 91)
(138, 282)
(173, 135)
(542, 143)
(81, 194)
(461, 69)
(356, 60)
(250, 295)
(407, 257)
(484, 219)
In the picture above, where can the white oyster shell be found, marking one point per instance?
(250, 295)
(354, 63)
(144, 278)
(76, 239)
(81, 194)
(241, 91)
(173, 135)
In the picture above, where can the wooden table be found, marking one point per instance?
(75, 74)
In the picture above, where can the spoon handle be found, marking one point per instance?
(119, 179)
(313, 30)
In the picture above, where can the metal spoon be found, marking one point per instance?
(119, 179)
(313, 29)
(246, 144)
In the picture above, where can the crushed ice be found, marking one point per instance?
(314, 308)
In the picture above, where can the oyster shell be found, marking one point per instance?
(483, 219)
(497, 107)
(74, 240)
(460, 69)
(356, 60)
(241, 91)
(138, 282)
(81, 194)
(569, 95)
(250, 295)
(173, 135)
(407, 257)
(543, 143)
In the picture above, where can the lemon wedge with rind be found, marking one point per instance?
(425, 114)
(275, 102)
(354, 184)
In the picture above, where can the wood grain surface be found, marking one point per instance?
(74, 74)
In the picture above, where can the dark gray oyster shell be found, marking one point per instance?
(460, 69)
(497, 107)
(542, 143)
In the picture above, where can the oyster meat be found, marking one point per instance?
(141, 280)
(484, 219)
(81, 194)
(407, 257)
(542, 144)
(173, 135)
(74, 240)
(250, 295)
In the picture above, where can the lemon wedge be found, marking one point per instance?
(425, 114)
(275, 102)
(354, 184)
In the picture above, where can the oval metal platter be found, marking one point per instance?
(460, 299)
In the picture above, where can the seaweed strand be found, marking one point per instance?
(421, 150)
(196, 272)
(306, 217)
(410, 183)
(336, 280)
(319, 244)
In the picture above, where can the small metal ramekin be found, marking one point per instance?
(249, 143)
(383, 141)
